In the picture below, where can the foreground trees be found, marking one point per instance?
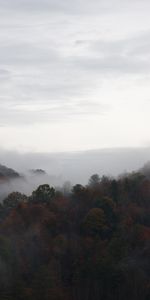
(91, 243)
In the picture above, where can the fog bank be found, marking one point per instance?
(78, 166)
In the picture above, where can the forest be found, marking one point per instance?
(88, 243)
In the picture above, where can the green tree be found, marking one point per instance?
(94, 180)
(43, 194)
(95, 222)
(13, 199)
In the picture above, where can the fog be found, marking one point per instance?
(76, 167)
(26, 184)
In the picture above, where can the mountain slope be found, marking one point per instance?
(8, 173)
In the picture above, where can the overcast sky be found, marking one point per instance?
(74, 74)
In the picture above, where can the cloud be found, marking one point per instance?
(4, 75)
(27, 114)
(66, 6)
(136, 44)
(113, 64)
(123, 56)
(73, 7)
(70, 61)
(51, 5)
(48, 84)
(23, 53)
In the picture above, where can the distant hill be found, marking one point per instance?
(8, 173)
(37, 172)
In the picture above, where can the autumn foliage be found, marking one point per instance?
(91, 243)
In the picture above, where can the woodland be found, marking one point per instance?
(91, 242)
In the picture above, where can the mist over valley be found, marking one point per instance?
(32, 169)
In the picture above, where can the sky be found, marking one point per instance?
(74, 75)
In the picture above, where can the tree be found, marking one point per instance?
(95, 222)
(78, 191)
(94, 180)
(114, 190)
(109, 208)
(13, 199)
(43, 194)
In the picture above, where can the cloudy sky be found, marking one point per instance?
(74, 74)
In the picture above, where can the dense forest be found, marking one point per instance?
(90, 243)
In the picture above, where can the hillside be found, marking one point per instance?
(92, 243)
(8, 173)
